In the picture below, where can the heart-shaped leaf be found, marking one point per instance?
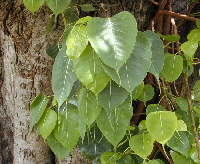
(113, 38)
(33, 5)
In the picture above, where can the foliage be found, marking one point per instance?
(98, 71)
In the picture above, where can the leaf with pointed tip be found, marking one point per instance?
(161, 125)
(194, 35)
(173, 67)
(113, 125)
(67, 128)
(38, 107)
(189, 48)
(113, 38)
(147, 93)
(47, 123)
(58, 6)
(142, 144)
(133, 72)
(53, 51)
(88, 108)
(63, 77)
(58, 149)
(138, 91)
(89, 70)
(157, 50)
(77, 39)
(112, 96)
(33, 5)
(182, 103)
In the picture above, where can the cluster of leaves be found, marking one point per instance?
(99, 69)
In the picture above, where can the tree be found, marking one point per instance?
(27, 70)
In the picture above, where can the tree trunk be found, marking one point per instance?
(25, 71)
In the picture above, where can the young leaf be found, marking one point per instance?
(189, 48)
(94, 145)
(33, 5)
(181, 126)
(63, 77)
(58, 149)
(125, 160)
(109, 157)
(147, 93)
(77, 39)
(157, 53)
(58, 6)
(47, 123)
(196, 90)
(112, 96)
(67, 128)
(88, 108)
(89, 70)
(37, 107)
(194, 35)
(172, 67)
(154, 108)
(161, 125)
(133, 72)
(113, 125)
(113, 38)
(179, 142)
(142, 144)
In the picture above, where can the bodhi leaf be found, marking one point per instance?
(89, 70)
(138, 91)
(157, 53)
(58, 6)
(33, 5)
(196, 90)
(113, 38)
(173, 66)
(155, 161)
(179, 142)
(125, 159)
(133, 72)
(142, 144)
(182, 103)
(181, 126)
(112, 96)
(47, 123)
(88, 108)
(67, 128)
(154, 108)
(194, 35)
(63, 77)
(147, 93)
(161, 125)
(113, 125)
(58, 149)
(198, 23)
(109, 157)
(37, 107)
(87, 7)
(77, 39)
(189, 48)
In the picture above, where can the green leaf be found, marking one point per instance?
(154, 108)
(138, 91)
(113, 38)
(157, 53)
(172, 67)
(37, 107)
(180, 159)
(194, 155)
(189, 48)
(198, 23)
(33, 5)
(112, 96)
(172, 38)
(67, 128)
(82, 128)
(58, 6)
(58, 149)
(87, 8)
(147, 93)
(53, 51)
(196, 90)
(194, 35)
(125, 159)
(89, 70)
(109, 157)
(161, 125)
(181, 126)
(133, 72)
(47, 123)
(155, 161)
(182, 103)
(94, 145)
(113, 125)
(142, 144)
(63, 77)
(88, 108)
(179, 142)
(77, 39)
